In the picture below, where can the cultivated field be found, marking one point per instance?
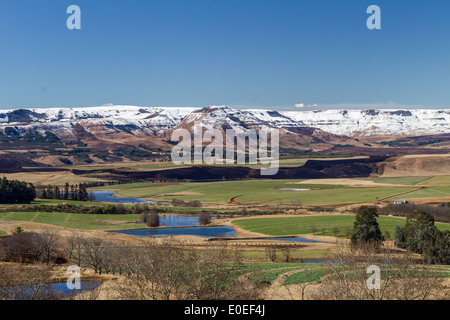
(320, 225)
(270, 192)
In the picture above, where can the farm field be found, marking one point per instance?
(283, 226)
(273, 226)
(437, 181)
(427, 193)
(76, 221)
(296, 255)
(406, 180)
(257, 192)
(163, 165)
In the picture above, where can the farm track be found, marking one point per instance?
(35, 217)
(279, 281)
(66, 220)
(233, 200)
(403, 193)
(9, 214)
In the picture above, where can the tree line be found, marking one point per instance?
(16, 192)
(77, 192)
(441, 213)
(418, 235)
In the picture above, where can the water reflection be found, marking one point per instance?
(206, 232)
(108, 196)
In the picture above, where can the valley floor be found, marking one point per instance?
(321, 210)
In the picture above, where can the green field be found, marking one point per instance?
(441, 181)
(284, 226)
(256, 192)
(55, 202)
(427, 193)
(406, 181)
(304, 272)
(76, 221)
(296, 255)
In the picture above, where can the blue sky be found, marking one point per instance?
(241, 53)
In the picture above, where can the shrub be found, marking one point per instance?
(152, 220)
(204, 219)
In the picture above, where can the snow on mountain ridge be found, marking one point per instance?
(160, 119)
(376, 122)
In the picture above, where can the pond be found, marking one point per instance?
(292, 189)
(108, 196)
(206, 232)
(63, 289)
(46, 291)
(180, 221)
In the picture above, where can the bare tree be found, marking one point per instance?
(299, 291)
(76, 248)
(222, 276)
(168, 270)
(271, 253)
(335, 230)
(296, 205)
(46, 245)
(286, 250)
(94, 253)
(401, 276)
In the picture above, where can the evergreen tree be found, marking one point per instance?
(57, 193)
(50, 193)
(420, 235)
(66, 191)
(16, 191)
(366, 227)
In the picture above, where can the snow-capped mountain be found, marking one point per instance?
(96, 120)
(376, 122)
(159, 120)
(222, 117)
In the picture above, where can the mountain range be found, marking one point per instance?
(156, 120)
(110, 127)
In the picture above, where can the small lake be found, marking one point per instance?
(206, 232)
(180, 221)
(63, 289)
(49, 290)
(108, 196)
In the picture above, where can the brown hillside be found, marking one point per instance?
(415, 165)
